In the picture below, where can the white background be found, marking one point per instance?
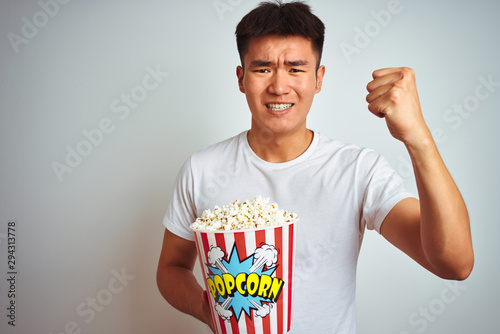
(63, 68)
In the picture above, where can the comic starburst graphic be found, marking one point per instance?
(264, 257)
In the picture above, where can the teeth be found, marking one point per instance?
(279, 106)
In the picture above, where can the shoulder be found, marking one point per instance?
(223, 146)
(345, 152)
(216, 155)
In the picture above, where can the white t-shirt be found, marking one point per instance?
(336, 189)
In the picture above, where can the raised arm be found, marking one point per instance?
(176, 280)
(435, 230)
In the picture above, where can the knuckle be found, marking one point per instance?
(394, 96)
(407, 69)
(401, 84)
(407, 72)
(393, 93)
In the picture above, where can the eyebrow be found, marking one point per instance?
(265, 63)
(296, 63)
(260, 63)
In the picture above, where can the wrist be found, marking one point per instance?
(420, 144)
(424, 154)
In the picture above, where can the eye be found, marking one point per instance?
(295, 70)
(262, 70)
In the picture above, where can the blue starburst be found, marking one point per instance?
(235, 266)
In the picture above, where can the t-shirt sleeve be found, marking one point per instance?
(181, 211)
(385, 188)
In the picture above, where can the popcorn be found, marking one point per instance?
(250, 214)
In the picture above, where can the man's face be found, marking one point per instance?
(280, 80)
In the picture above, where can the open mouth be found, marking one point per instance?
(278, 106)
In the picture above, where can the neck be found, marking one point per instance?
(277, 148)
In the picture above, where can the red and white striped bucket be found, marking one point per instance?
(248, 275)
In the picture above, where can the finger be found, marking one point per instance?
(379, 108)
(209, 314)
(384, 71)
(386, 79)
(378, 93)
(379, 100)
(204, 295)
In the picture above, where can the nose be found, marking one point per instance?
(278, 84)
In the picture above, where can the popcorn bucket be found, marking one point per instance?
(248, 276)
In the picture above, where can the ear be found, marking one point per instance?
(320, 73)
(239, 73)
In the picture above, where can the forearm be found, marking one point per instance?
(444, 221)
(443, 244)
(181, 289)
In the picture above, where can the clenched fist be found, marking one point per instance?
(392, 94)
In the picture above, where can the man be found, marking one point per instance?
(337, 189)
